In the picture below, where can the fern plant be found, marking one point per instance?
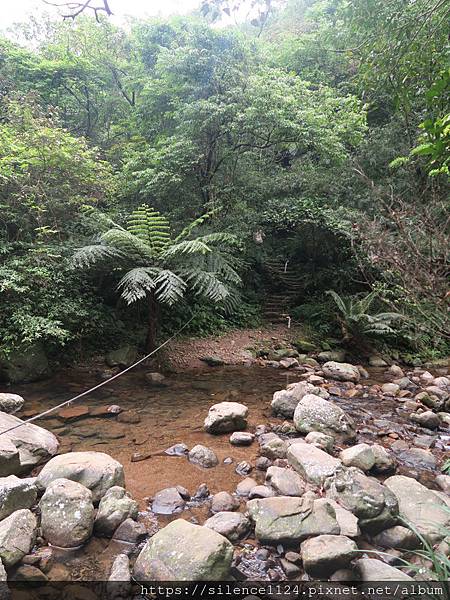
(162, 269)
(356, 320)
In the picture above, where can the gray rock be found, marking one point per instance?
(261, 491)
(384, 461)
(331, 355)
(156, 379)
(122, 357)
(95, 470)
(427, 419)
(9, 458)
(245, 486)
(168, 501)
(232, 525)
(289, 363)
(272, 446)
(226, 417)
(377, 361)
(397, 537)
(119, 582)
(16, 493)
(360, 456)
(67, 513)
(324, 554)
(289, 520)
(35, 444)
(192, 552)
(421, 507)
(311, 463)
(11, 403)
(395, 371)
(285, 481)
(320, 440)
(17, 536)
(375, 506)
(390, 389)
(316, 414)
(241, 438)
(115, 506)
(372, 569)
(223, 501)
(203, 457)
(285, 402)
(130, 531)
(348, 522)
(417, 457)
(177, 450)
(341, 371)
(443, 482)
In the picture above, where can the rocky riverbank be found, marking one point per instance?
(316, 498)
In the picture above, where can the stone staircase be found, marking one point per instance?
(284, 288)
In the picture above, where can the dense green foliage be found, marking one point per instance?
(316, 135)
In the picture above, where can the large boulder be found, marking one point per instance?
(289, 520)
(115, 506)
(324, 554)
(95, 470)
(16, 493)
(311, 463)
(67, 513)
(375, 505)
(191, 552)
(420, 508)
(316, 414)
(341, 371)
(122, 357)
(17, 536)
(225, 417)
(232, 525)
(285, 482)
(11, 403)
(35, 444)
(285, 402)
(25, 364)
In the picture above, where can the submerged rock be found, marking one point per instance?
(226, 417)
(95, 470)
(177, 450)
(316, 414)
(67, 513)
(192, 552)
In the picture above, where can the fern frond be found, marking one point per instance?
(187, 247)
(220, 237)
(340, 303)
(189, 228)
(94, 253)
(169, 287)
(148, 225)
(208, 285)
(136, 283)
(127, 243)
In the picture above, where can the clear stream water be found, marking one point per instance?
(174, 414)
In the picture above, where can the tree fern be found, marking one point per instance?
(151, 227)
(170, 287)
(135, 284)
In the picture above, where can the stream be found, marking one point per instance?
(155, 418)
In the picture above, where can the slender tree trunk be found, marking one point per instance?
(152, 326)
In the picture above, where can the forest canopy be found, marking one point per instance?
(315, 135)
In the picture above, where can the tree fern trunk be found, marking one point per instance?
(152, 326)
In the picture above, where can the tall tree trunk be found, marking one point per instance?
(152, 326)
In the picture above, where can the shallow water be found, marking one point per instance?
(175, 414)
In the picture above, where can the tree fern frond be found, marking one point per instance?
(136, 283)
(98, 219)
(188, 230)
(128, 243)
(187, 247)
(220, 238)
(169, 287)
(207, 284)
(89, 255)
(148, 225)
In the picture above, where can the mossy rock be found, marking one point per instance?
(304, 346)
(25, 365)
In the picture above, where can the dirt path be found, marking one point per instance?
(233, 347)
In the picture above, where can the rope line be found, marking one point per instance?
(98, 386)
